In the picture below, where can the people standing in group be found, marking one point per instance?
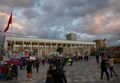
(111, 66)
(55, 73)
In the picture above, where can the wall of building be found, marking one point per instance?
(45, 46)
(101, 43)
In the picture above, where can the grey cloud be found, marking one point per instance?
(115, 6)
(52, 19)
(30, 13)
(114, 37)
(2, 21)
(85, 7)
(62, 13)
(74, 8)
(47, 33)
(18, 3)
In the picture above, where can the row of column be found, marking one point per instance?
(44, 48)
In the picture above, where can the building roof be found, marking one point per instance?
(45, 40)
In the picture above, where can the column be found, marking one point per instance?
(38, 49)
(78, 50)
(56, 46)
(71, 49)
(31, 46)
(50, 47)
(14, 45)
(45, 49)
(11, 46)
(23, 46)
(66, 49)
(6, 45)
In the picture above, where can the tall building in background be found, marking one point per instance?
(71, 36)
(101, 43)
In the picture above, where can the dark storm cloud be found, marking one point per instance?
(52, 19)
(30, 13)
(87, 7)
(73, 8)
(62, 13)
(18, 3)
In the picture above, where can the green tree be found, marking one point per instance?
(60, 50)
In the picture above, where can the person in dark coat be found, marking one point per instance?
(59, 76)
(97, 58)
(43, 62)
(37, 62)
(104, 67)
(29, 70)
(50, 73)
(14, 71)
(8, 72)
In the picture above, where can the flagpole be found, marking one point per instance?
(11, 36)
(7, 27)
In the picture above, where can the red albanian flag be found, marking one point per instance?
(9, 22)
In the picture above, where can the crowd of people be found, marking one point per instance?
(56, 72)
(8, 71)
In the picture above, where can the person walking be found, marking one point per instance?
(111, 67)
(43, 62)
(29, 70)
(14, 71)
(59, 76)
(8, 72)
(50, 73)
(104, 67)
(97, 57)
(37, 62)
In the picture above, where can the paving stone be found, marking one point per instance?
(79, 72)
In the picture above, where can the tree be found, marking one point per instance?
(60, 50)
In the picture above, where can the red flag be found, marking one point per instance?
(9, 22)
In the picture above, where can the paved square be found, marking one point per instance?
(79, 72)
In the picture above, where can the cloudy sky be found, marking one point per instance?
(53, 19)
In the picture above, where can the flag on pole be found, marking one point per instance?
(9, 22)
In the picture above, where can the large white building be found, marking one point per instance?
(45, 46)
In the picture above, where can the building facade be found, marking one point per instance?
(45, 46)
(101, 43)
